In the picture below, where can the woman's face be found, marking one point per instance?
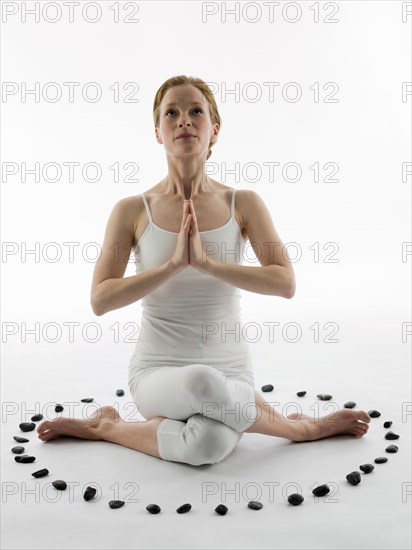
(185, 109)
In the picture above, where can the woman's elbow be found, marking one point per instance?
(290, 289)
(289, 295)
(96, 306)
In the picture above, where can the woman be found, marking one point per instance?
(191, 375)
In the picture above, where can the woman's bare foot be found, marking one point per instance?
(83, 429)
(338, 423)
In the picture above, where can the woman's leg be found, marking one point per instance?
(105, 425)
(300, 427)
(198, 441)
(171, 398)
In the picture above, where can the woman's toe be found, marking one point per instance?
(364, 416)
(41, 428)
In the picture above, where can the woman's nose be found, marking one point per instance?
(184, 120)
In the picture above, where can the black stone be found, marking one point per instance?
(153, 508)
(58, 408)
(25, 459)
(87, 400)
(184, 508)
(267, 388)
(41, 473)
(324, 396)
(221, 509)
(374, 414)
(380, 460)
(89, 493)
(391, 435)
(37, 417)
(17, 450)
(350, 405)
(27, 426)
(119, 393)
(354, 477)
(301, 393)
(20, 439)
(321, 491)
(254, 505)
(387, 424)
(367, 468)
(59, 484)
(116, 504)
(295, 499)
(390, 449)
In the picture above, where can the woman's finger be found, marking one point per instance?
(185, 213)
(193, 215)
(187, 224)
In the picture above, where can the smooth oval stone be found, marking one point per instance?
(221, 509)
(267, 388)
(255, 505)
(324, 396)
(391, 435)
(41, 473)
(25, 459)
(59, 484)
(20, 439)
(119, 393)
(381, 460)
(367, 468)
(184, 508)
(87, 400)
(89, 493)
(17, 450)
(37, 417)
(27, 426)
(58, 408)
(374, 414)
(387, 424)
(321, 491)
(153, 508)
(295, 499)
(390, 449)
(354, 477)
(301, 393)
(116, 504)
(350, 405)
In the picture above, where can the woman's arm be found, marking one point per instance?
(110, 290)
(273, 280)
(276, 276)
(115, 293)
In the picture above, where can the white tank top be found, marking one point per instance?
(193, 317)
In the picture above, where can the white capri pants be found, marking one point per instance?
(205, 411)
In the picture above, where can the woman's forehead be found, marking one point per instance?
(184, 94)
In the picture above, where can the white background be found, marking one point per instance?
(364, 293)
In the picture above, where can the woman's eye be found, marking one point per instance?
(173, 111)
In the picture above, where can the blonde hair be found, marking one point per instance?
(200, 85)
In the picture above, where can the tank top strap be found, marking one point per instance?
(149, 215)
(232, 210)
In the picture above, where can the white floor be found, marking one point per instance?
(370, 367)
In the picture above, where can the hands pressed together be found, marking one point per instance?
(189, 249)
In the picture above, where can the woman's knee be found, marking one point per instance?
(211, 441)
(202, 381)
